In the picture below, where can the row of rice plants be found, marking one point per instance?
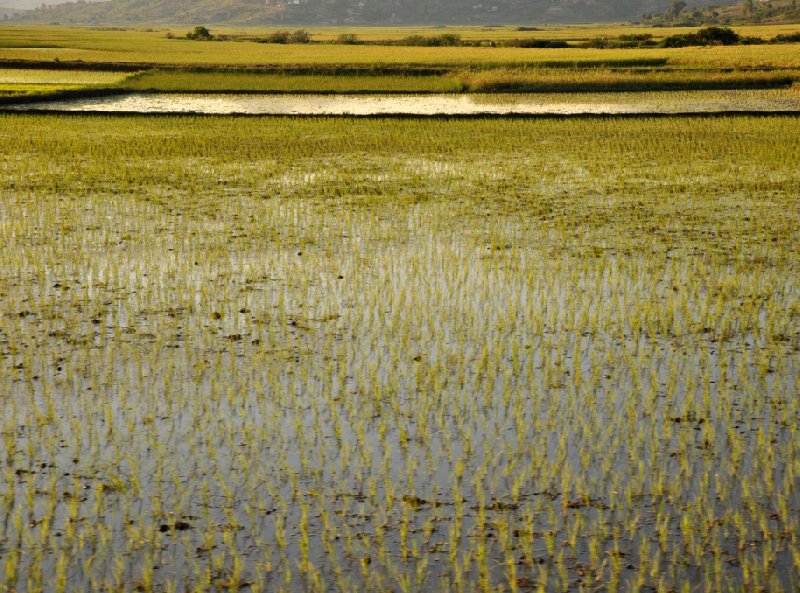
(370, 355)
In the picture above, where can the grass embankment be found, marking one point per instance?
(497, 80)
(632, 80)
(411, 356)
(38, 91)
(250, 82)
(34, 84)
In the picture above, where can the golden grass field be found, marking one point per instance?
(91, 45)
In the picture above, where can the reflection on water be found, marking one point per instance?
(576, 103)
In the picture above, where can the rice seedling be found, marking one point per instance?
(399, 355)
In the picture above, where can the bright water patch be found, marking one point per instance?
(430, 104)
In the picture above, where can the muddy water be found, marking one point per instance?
(444, 104)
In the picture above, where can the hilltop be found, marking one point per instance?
(7, 11)
(345, 12)
(748, 12)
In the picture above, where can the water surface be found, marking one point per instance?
(434, 104)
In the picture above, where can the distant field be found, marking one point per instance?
(563, 32)
(234, 53)
(93, 46)
(56, 35)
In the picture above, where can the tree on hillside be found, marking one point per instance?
(675, 9)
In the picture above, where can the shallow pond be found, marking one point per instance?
(433, 104)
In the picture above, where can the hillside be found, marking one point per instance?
(7, 11)
(345, 12)
(742, 13)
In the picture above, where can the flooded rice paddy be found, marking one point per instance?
(296, 355)
(435, 104)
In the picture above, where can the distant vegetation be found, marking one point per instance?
(680, 14)
(200, 34)
(299, 36)
(703, 37)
